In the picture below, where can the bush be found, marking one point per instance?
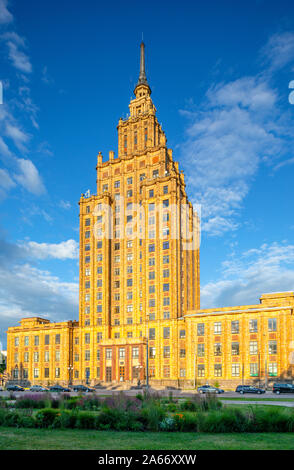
(12, 419)
(189, 405)
(187, 422)
(168, 424)
(85, 420)
(30, 403)
(271, 420)
(228, 420)
(26, 421)
(46, 417)
(151, 416)
(66, 419)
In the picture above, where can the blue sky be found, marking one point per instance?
(219, 73)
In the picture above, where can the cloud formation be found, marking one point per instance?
(245, 276)
(235, 130)
(5, 15)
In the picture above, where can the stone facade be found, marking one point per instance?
(140, 286)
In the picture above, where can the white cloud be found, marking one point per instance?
(5, 15)
(18, 58)
(65, 204)
(227, 138)
(29, 177)
(26, 290)
(246, 276)
(279, 50)
(64, 250)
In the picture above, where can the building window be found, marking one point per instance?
(165, 203)
(200, 329)
(151, 303)
(217, 349)
(272, 347)
(252, 326)
(36, 357)
(166, 315)
(26, 341)
(166, 301)
(235, 349)
(217, 328)
(135, 353)
(165, 245)
(36, 341)
(117, 184)
(273, 369)
(235, 370)
(108, 375)
(166, 273)
(166, 371)
(166, 351)
(57, 356)
(57, 372)
(152, 352)
(121, 353)
(87, 222)
(253, 349)
(217, 370)
(182, 333)
(166, 332)
(254, 370)
(26, 357)
(16, 341)
(235, 327)
(87, 338)
(36, 373)
(151, 333)
(201, 370)
(165, 287)
(200, 349)
(272, 324)
(87, 354)
(57, 339)
(46, 356)
(99, 337)
(165, 189)
(108, 353)
(151, 193)
(182, 352)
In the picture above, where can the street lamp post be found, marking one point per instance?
(70, 369)
(195, 366)
(265, 363)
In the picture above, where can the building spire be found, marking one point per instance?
(142, 76)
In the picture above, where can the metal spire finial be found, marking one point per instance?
(142, 76)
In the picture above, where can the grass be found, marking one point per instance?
(71, 439)
(245, 398)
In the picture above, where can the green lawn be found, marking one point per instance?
(246, 398)
(71, 439)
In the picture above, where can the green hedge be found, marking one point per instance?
(153, 417)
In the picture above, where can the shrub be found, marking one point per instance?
(189, 405)
(168, 424)
(187, 422)
(30, 403)
(26, 421)
(12, 419)
(119, 420)
(151, 416)
(72, 403)
(46, 417)
(66, 419)
(172, 407)
(85, 420)
(228, 420)
(272, 420)
(3, 413)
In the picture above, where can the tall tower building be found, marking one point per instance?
(139, 256)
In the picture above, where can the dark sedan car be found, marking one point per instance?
(14, 388)
(82, 388)
(249, 389)
(59, 388)
(209, 389)
(283, 388)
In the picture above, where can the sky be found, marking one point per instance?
(222, 80)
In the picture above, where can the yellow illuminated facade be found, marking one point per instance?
(140, 286)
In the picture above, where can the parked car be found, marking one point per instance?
(14, 388)
(283, 388)
(249, 389)
(82, 388)
(209, 389)
(38, 388)
(59, 388)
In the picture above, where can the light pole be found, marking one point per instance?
(265, 363)
(70, 369)
(195, 365)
